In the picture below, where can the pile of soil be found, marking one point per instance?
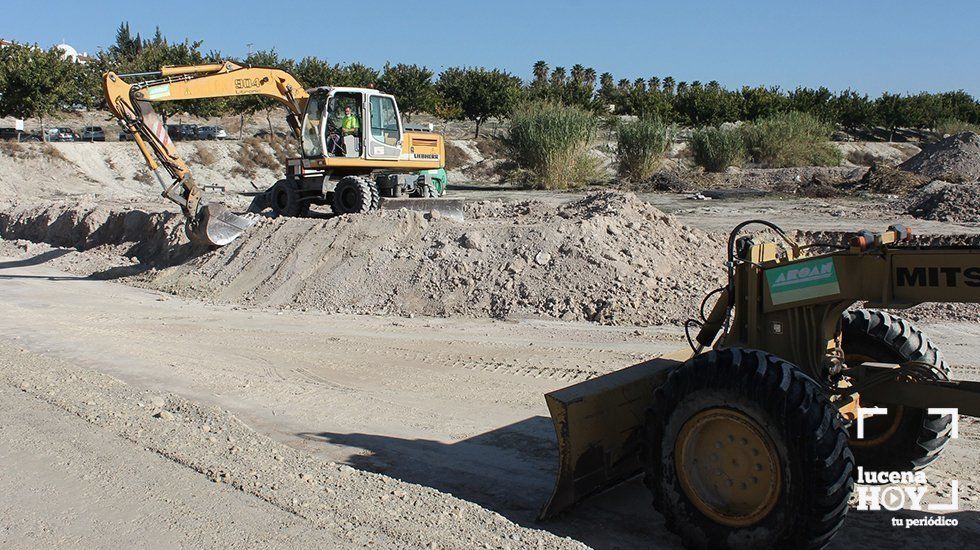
(608, 258)
(882, 179)
(948, 202)
(955, 158)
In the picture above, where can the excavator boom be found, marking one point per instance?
(132, 105)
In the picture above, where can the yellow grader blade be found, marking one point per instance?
(599, 424)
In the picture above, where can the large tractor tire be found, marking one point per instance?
(355, 195)
(745, 451)
(906, 439)
(284, 199)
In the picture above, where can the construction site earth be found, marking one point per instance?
(377, 379)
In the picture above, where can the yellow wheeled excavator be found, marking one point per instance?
(352, 167)
(750, 439)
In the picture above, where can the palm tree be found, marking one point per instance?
(540, 72)
(669, 85)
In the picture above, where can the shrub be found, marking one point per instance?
(204, 155)
(717, 148)
(640, 147)
(12, 149)
(790, 139)
(252, 155)
(455, 157)
(552, 142)
(53, 152)
(951, 126)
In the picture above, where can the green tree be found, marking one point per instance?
(411, 85)
(126, 46)
(852, 110)
(761, 102)
(35, 83)
(540, 73)
(248, 105)
(357, 75)
(479, 93)
(891, 111)
(812, 101)
(699, 105)
(608, 94)
(314, 72)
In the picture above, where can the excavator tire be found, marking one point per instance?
(743, 450)
(355, 195)
(284, 198)
(906, 439)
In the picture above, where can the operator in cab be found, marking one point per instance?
(351, 127)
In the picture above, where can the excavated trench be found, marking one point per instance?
(154, 238)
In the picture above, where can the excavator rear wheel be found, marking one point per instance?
(355, 195)
(284, 198)
(745, 451)
(906, 439)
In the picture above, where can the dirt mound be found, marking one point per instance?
(948, 202)
(883, 179)
(608, 258)
(955, 158)
(155, 237)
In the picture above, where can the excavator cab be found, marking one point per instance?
(379, 135)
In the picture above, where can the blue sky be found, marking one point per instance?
(870, 45)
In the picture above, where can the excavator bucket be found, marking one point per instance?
(600, 428)
(449, 208)
(216, 225)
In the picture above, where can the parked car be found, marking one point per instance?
(93, 133)
(62, 134)
(182, 132)
(211, 132)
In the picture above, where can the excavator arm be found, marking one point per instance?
(132, 105)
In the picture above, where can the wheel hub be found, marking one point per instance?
(349, 199)
(728, 467)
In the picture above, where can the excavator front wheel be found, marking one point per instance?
(743, 450)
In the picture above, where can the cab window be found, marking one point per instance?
(312, 145)
(384, 120)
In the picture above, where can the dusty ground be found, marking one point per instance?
(450, 404)
(301, 426)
